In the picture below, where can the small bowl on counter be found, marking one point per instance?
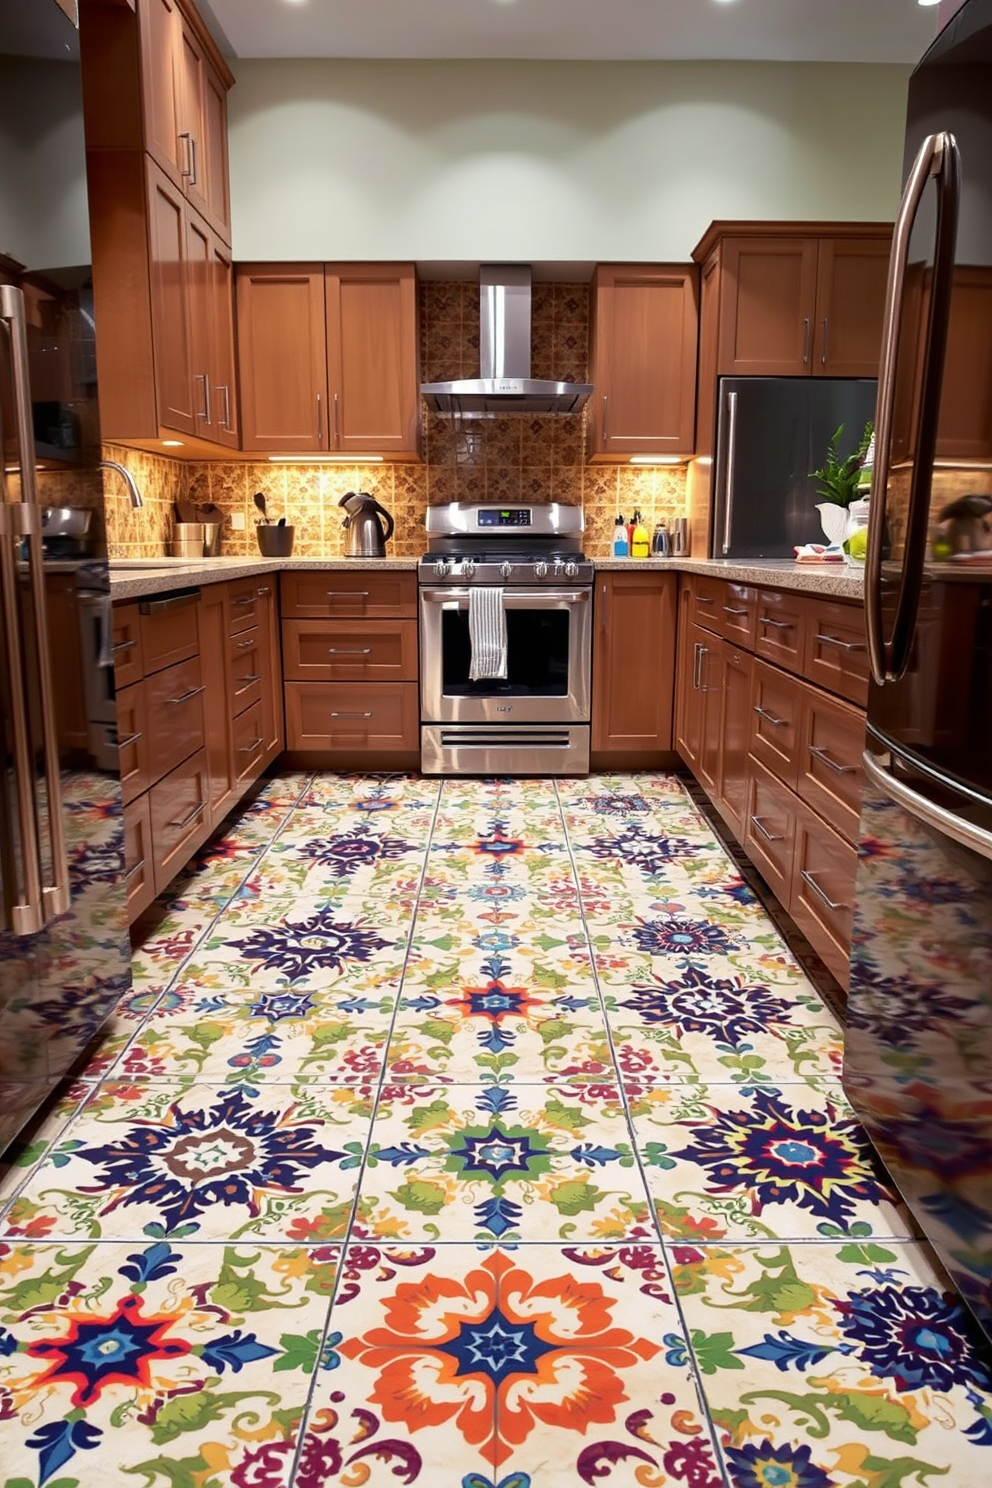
(275, 541)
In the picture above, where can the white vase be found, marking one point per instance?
(833, 520)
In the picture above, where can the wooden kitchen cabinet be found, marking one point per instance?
(633, 665)
(688, 699)
(272, 718)
(735, 734)
(821, 901)
(643, 361)
(219, 745)
(327, 358)
(338, 594)
(138, 856)
(350, 650)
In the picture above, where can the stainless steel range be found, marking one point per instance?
(524, 707)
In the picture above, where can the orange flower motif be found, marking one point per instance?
(499, 1353)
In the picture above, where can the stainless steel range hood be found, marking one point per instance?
(504, 384)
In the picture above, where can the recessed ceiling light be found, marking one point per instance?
(928, 2)
(173, 443)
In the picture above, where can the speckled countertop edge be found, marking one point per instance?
(834, 580)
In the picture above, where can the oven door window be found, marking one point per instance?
(537, 655)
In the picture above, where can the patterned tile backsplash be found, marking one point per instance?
(502, 459)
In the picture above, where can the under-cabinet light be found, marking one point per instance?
(658, 460)
(172, 443)
(326, 459)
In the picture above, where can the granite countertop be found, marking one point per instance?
(134, 578)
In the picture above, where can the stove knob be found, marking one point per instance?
(505, 570)
(540, 570)
(442, 568)
(571, 570)
(468, 568)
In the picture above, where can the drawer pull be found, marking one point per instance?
(759, 826)
(132, 871)
(123, 646)
(352, 715)
(349, 650)
(808, 878)
(770, 717)
(131, 739)
(245, 599)
(252, 747)
(734, 610)
(775, 624)
(818, 752)
(244, 645)
(263, 591)
(191, 817)
(829, 640)
(347, 594)
(185, 697)
(248, 681)
(705, 599)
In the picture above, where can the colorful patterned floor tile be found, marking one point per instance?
(544, 1044)
(837, 1366)
(754, 1163)
(274, 1162)
(35, 1141)
(464, 1162)
(158, 1363)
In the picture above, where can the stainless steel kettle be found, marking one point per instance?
(366, 539)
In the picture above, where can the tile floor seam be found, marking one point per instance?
(691, 1355)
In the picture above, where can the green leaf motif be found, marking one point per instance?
(42, 1291)
(575, 1197)
(299, 1351)
(436, 1028)
(192, 1412)
(239, 1293)
(893, 1472)
(715, 1351)
(655, 1155)
(425, 1198)
(568, 1117)
(866, 1411)
(429, 1118)
(865, 1255)
(779, 1290)
(188, 1472)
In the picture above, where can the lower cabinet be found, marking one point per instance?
(777, 753)
(633, 666)
(199, 720)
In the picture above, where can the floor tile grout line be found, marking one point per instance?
(294, 1466)
(676, 1301)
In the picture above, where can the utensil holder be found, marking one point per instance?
(273, 541)
(211, 539)
(187, 540)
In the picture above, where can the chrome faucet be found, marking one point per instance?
(126, 476)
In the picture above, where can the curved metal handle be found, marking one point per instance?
(130, 740)
(352, 715)
(967, 833)
(938, 158)
(349, 650)
(826, 341)
(818, 752)
(775, 624)
(249, 682)
(202, 377)
(759, 826)
(253, 747)
(829, 640)
(390, 524)
(606, 418)
(337, 428)
(808, 878)
(190, 817)
(320, 421)
(187, 169)
(770, 717)
(185, 697)
(807, 327)
(602, 617)
(223, 387)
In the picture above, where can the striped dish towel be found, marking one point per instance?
(487, 633)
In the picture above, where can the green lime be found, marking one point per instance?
(942, 549)
(857, 543)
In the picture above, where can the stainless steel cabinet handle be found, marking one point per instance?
(775, 624)
(808, 878)
(197, 811)
(770, 717)
(348, 593)
(337, 432)
(731, 463)
(246, 645)
(807, 325)
(352, 715)
(185, 697)
(349, 650)
(132, 871)
(129, 741)
(606, 418)
(192, 159)
(169, 602)
(978, 839)
(705, 599)
(187, 151)
(244, 599)
(697, 648)
(818, 752)
(759, 826)
(204, 380)
(829, 640)
(253, 747)
(826, 341)
(222, 387)
(248, 681)
(123, 646)
(602, 618)
(320, 421)
(734, 610)
(262, 590)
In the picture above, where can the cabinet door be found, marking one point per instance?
(633, 662)
(282, 359)
(159, 24)
(710, 684)
(688, 716)
(170, 310)
(781, 628)
(850, 298)
(822, 890)
(767, 307)
(352, 718)
(836, 649)
(139, 856)
(644, 360)
(215, 668)
(736, 731)
(133, 741)
(346, 594)
(190, 65)
(212, 154)
(129, 664)
(373, 384)
(965, 426)
(270, 668)
(199, 270)
(831, 773)
(776, 720)
(770, 829)
(350, 651)
(224, 390)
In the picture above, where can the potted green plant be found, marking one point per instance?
(837, 483)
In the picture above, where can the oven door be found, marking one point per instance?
(549, 642)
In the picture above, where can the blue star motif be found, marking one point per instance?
(496, 1347)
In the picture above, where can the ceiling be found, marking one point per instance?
(589, 30)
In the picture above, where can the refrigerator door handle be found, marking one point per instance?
(730, 451)
(938, 158)
(928, 812)
(53, 898)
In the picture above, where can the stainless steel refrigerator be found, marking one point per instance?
(918, 1061)
(771, 432)
(64, 951)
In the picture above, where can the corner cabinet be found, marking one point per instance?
(643, 361)
(633, 668)
(328, 358)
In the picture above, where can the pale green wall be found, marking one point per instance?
(550, 161)
(43, 218)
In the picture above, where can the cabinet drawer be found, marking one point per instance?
(129, 666)
(822, 902)
(780, 628)
(830, 779)
(776, 710)
(708, 599)
(836, 650)
(770, 828)
(179, 804)
(249, 743)
(246, 670)
(333, 593)
(139, 858)
(739, 609)
(169, 629)
(352, 715)
(332, 650)
(133, 741)
(174, 714)
(242, 606)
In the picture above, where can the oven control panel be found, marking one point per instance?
(504, 516)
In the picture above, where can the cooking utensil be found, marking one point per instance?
(259, 501)
(366, 539)
(187, 511)
(281, 522)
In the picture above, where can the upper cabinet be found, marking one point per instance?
(643, 361)
(328, 359)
